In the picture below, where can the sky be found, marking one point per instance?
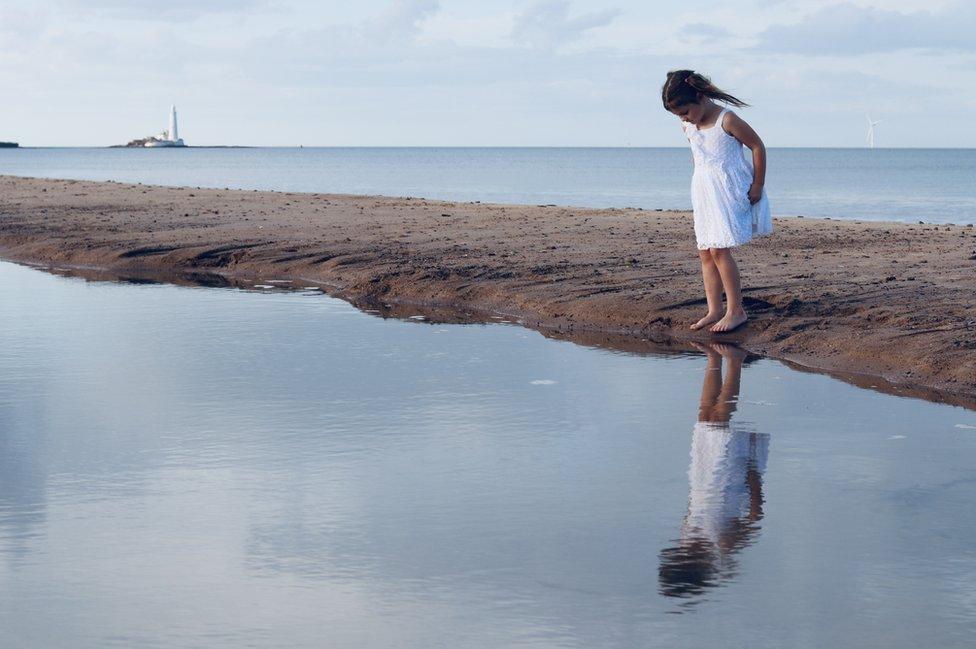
(482, 73)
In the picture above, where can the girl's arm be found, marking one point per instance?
(737, 128)
(684, 128)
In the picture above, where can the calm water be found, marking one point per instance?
(220, 468)
(934, 185)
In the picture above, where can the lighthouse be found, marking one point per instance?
(174, 134)
(170, 137)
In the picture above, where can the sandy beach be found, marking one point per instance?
(875, 303)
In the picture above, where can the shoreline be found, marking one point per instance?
(890, 300)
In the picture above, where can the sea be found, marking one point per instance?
(929, 185)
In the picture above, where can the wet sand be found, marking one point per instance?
(858, 299)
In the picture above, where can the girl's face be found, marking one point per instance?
(691, 112)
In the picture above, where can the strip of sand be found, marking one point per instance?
(890, 300)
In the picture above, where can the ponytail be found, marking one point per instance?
(687, 86)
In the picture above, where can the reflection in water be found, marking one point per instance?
(725, 491)
(23, 485)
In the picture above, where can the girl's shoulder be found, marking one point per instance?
(731, 118)
(727, 118)
(738, 128)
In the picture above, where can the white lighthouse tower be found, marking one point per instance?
(170, 137)
(174, 134)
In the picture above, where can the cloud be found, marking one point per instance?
(162, 10)
(331, 58)
(847, 91)
(383, 51)
(547, 24)
(697, 32)
(381, 48)
(402, 20)
(849, 29)
(14, 20)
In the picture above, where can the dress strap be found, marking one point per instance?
(721, 116)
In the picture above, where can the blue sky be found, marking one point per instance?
(460, 72)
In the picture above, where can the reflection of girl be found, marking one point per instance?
(725, 497)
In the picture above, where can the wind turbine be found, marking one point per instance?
(871, 125)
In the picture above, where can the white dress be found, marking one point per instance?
(719, 189)
(722, 455)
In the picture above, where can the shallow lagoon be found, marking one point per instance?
(215, 467)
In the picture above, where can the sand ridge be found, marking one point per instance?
(891, 300)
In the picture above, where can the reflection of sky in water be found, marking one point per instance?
(208, 467)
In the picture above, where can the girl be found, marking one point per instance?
(727, 195)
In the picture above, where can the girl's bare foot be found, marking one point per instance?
(705, 349)
(707, 320)
(731, 321)
(729, 352)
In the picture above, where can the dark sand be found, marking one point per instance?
(881, 304)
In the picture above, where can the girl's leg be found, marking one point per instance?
(728, 398)
(735, 315)
(720, 394)
(711, 386)
(713, 290)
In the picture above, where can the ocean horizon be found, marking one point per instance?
(473, 146)
(881, 184)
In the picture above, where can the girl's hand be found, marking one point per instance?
(755, 193)
(741, 131)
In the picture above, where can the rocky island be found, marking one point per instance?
(168, 138)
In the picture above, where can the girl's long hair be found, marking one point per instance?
(687, 87)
